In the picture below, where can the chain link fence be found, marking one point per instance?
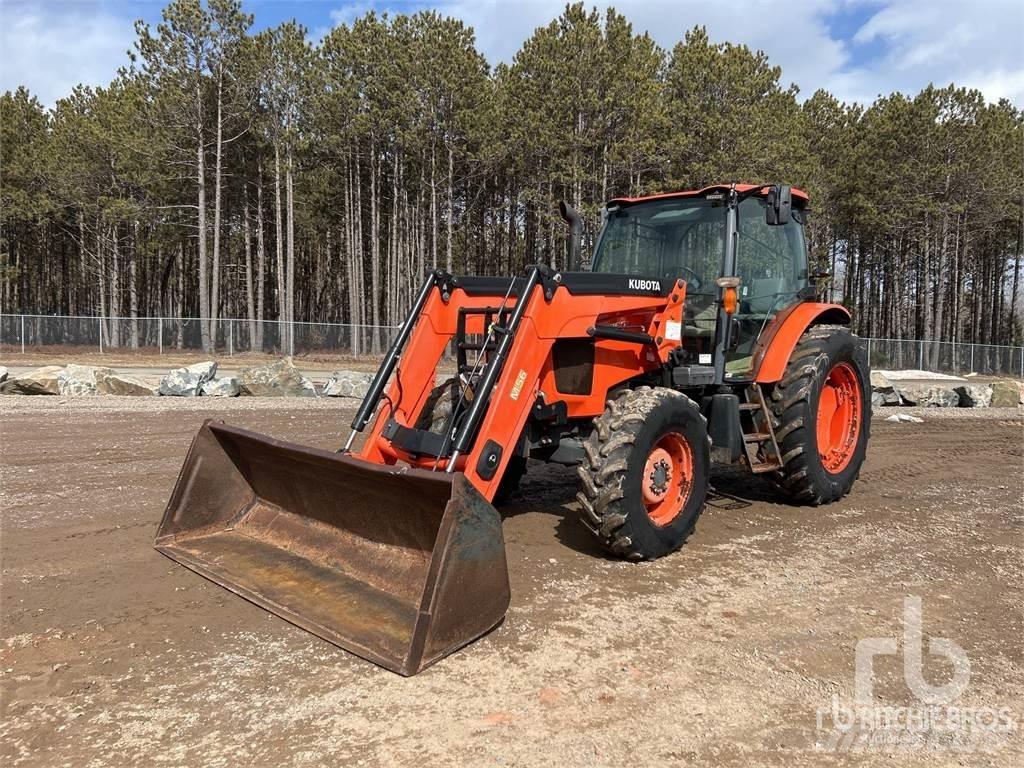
(945, 356)
(160, 335)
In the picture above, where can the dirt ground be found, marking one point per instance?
(721, 654)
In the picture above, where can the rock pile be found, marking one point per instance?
(110, 382)
(937, 390)
(188, 381)
(281, 378)
(348, 384)
(223, 387)
(41, 381)
(278, 379)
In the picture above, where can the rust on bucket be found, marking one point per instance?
(399, 566)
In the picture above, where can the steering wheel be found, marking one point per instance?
(695, 282)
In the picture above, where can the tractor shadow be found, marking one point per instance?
(738, 483)
(551, 489)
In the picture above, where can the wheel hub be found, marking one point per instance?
(667, 478)
(839, 416)
(658, 475)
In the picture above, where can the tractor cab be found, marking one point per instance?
(684, 235)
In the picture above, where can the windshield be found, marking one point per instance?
(678, 237)
(685, 237)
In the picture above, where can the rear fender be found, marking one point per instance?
(782, 335)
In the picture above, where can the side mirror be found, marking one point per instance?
(575, 222)
(779, 205)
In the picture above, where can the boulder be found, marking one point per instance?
(76, 380)
(226, 386)
(348, 384)
(278, 379)
(41, 381)
(975, 395)
(915, 388)
(884, 396)
(187, 382)
(1005, 393)
(109, 382)
(879, 380)
(895, 377)
(928, 394)
(3, 374)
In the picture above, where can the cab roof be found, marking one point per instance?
(797, 193)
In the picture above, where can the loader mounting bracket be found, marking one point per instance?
(416, 441)
(556, 413)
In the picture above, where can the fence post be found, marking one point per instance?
(972, 358)
(23, 334)
(160, 335)
(100, 321)
(231, 338)
(869, 351)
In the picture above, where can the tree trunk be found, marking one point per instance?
(250, 299)
(133, 287)
(451, 207)
(204, 289)
(290, 192)
(179, 337)
(115, 288)
(375, 297)
(261, 261)
(433, 211)
(282, 308)
(1015, 331)
(215, 289)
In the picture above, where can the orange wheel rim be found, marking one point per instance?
(839, 413)
(668, 478)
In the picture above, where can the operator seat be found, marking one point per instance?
(700, 314)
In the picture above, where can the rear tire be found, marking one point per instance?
(645, 478)
(822, 406)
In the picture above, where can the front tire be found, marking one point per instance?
(645, 478)
(822, 406)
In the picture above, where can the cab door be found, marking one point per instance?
(771, 261)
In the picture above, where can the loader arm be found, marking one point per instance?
(571, 306)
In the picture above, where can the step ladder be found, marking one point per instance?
(759, 443)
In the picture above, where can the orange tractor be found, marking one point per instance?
(695, 337)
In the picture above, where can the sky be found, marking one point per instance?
(856, 49)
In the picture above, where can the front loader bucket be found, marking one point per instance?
(399, 566)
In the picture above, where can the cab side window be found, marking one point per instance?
(771, 260)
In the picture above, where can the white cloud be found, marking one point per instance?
(902, 45)
(50, 48)
(940, 41)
